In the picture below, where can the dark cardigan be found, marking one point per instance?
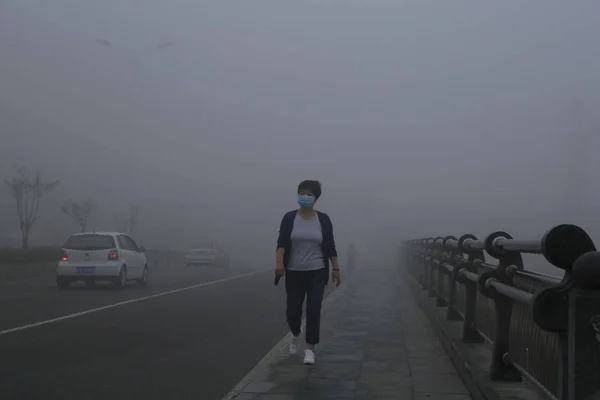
(327, 246)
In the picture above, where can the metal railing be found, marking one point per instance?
(541, 328)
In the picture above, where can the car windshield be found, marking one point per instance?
(90, 242)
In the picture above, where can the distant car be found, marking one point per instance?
(206, 255)
(101, 256)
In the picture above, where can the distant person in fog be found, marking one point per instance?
(305, 247)
(352, 255)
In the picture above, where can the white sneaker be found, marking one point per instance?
(294, 344)
(309, 357)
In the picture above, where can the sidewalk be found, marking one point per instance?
(375, 344)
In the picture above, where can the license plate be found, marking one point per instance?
(86, 270)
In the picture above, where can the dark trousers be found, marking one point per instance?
(299, 284)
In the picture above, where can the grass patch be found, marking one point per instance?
(32, 255)
(52, 254)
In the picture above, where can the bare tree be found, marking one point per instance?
(79, 211)
(121, 223)
(27, 189)
(134, 212)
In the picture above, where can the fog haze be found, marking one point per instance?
(418, 117)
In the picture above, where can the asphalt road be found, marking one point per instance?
(195, 343)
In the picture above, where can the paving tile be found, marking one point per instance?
(387, 392)
(420, 333)
(290, 376)
(394, 342)
(291, 361)
(388, 354)
(340, 349)
(376, 344)
(434, 350)
(360, 308)
(438, 383)
(354, 327)
(341, 344)
(256, 396)
(423, 340)
(385, 366)
(389, 322)
(330, 384)
(386, 347)
(297, 367)
(432, 365)
(344, 371)
(259, 387)
(352, 317)
(275, 387)
(343, 354)
(439, 396)
(317, 394)
(413, 340)
(357, 334)
(385, 379)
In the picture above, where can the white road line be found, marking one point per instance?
(122, 303)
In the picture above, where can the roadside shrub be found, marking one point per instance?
(32, 255)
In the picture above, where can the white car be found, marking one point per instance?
(101, 256)
(209, 254)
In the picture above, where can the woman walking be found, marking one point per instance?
(305, 246)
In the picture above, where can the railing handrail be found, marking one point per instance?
(541, 304)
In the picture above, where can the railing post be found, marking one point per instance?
(413, 259)
(499, 369)
(470, 333)
(433, 268)
(431, 276)
(569, 308)
(403, 258)
(583, 329)
(451, 312)
(417, 263)
(439, 255)
(439, 282)
(442, 256)
(572, 310)
(408, 258)
(409, 261)
(425, 261)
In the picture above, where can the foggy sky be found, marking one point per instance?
(419, 117)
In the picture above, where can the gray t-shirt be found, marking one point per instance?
(306, 253)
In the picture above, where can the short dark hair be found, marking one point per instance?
(313, 186)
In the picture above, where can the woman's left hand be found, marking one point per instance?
(335, 275)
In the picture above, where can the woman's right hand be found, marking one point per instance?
(279, 269)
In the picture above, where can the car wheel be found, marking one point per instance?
(121, 280)
(63, 283)
(143, 281)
